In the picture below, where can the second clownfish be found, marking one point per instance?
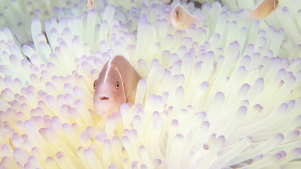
(263, 9)
(180, 18)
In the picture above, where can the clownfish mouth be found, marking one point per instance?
(104, 98)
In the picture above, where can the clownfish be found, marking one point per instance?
(116, 84)
(180, 18)
(90, 4)
(263, 9)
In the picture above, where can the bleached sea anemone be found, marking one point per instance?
(224, 93)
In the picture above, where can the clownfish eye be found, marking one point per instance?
(94, 84)
(276, 3)
(117, 85)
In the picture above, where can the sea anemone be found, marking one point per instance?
(286, 17)
(223, 93)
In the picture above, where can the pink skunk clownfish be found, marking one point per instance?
(116, 84)
(180, 18)
(90, 4)
(263, 9)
